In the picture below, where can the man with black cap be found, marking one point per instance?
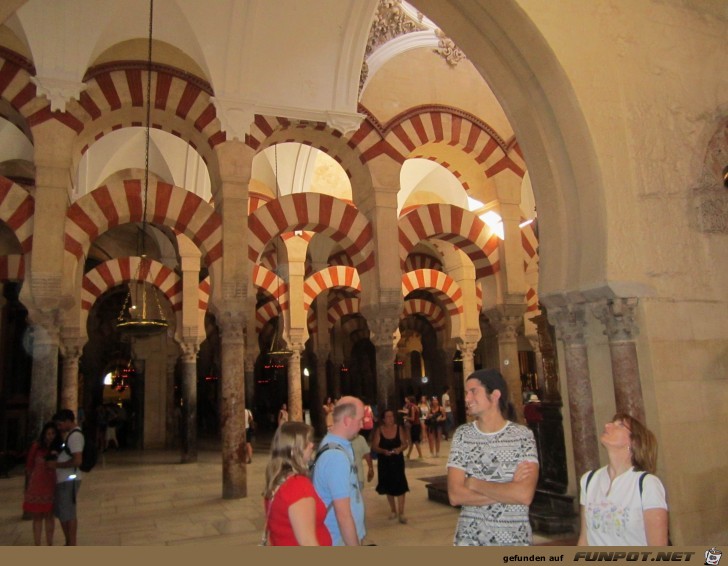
(492, 469)
(68, 474)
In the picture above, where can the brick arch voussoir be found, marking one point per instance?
(17, 209)
(121, 202)
(331, 277)
(441, 284)
(115, 272)
(322, 214)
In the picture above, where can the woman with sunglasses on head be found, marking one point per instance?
(623, 503)
(294, 512)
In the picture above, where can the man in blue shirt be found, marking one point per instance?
(335, 475)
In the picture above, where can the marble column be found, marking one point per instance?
(467, 351)
(618, 316)
(382, 336)
(44, 374)
(507, 327)
(172, 424)
(322, 357)
(232, 410)
(570, 323)
(189, 402)
(295, 397)
(71, 350)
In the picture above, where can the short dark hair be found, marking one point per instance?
(64, 415)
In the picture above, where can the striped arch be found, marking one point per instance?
(478, 296)
(12, 268)
(422, 261)
(115, 272)
(267, 131)
(114, 98)
(356, 328)
(203, 292)
(530, 244)
(431, 311)
(17, 207)
(342, 307)
(340, 258)
(408, 134)
(337, 276)
(455, 225)
(318, 213)
(265, 313)
(531, 300)
(272, 284)
(443, 285)
(121, 202)
(17, 88)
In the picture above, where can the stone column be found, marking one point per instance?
(569, 322)
(507, 327)
(295, 397)
(44, 373)
(189, 402)
(172, 422)
(322, 357)
(250, 358)
(382, 331)
(232, 410)
(618, 316)
(71, 350)
(467, 350)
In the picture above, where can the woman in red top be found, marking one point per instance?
(295, 513)
(41, 483)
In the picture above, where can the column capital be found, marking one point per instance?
(232, 327)
(618, 317)
(72, 348)
(381, 331)
(190, 350)
(46, 325)
(569, 322)
(507, 325)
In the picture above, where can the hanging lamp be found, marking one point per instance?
(141, 314)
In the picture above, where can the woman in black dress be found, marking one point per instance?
(390, 441)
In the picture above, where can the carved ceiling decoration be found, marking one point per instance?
(393, 20)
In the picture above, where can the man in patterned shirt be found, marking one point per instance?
(492, 470)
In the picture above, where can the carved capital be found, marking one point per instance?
(382, 331)
(507, 326)
(569, 322)
(232, 326)
(189, 351)
(71, 348)
(618, 317)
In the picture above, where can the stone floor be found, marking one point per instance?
(136, 498)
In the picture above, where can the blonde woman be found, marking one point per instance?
(623, 503)
(294, 512)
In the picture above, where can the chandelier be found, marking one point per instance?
(141, 314)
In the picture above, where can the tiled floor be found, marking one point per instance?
(147, 498)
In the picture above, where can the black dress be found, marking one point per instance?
(392, 480)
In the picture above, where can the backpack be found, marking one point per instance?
(89, 456)
(340, 448)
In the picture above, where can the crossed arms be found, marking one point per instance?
(463, 490)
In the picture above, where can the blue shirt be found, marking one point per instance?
(335, 477)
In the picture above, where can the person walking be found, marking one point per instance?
(40, 480)
(623, 503)
(335, 475)
(434, 423)
(415, 426)
(390, 441)
(449, 424)
(492, 470)
(294, 511)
